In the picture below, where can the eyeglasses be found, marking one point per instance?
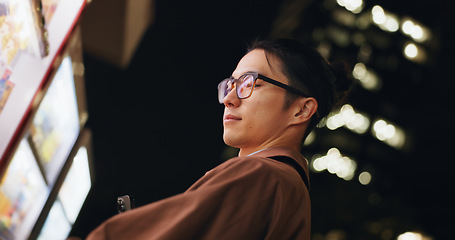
(245, 84)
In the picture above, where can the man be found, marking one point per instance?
(276, 95)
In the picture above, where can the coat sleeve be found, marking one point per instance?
(228, 203)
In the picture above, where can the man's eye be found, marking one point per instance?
(248, 85)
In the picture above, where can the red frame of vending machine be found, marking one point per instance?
(34, 71)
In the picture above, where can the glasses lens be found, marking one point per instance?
(224, 88)
(245, 86)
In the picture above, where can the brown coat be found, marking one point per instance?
(251, 197)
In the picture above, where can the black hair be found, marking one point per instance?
(308, 71)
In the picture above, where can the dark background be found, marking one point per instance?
(157, 123)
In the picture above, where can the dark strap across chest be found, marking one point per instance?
(291, 162)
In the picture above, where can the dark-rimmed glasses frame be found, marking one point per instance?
(248, 81)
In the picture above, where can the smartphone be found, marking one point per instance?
(125, 203)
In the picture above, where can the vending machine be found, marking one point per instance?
(45, 150)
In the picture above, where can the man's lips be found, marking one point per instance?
(231, 117)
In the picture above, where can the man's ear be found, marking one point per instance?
(304, 108)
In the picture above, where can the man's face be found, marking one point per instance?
(256, 122)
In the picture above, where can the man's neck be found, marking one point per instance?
(286, 139)
(250, 151)
(243, 153)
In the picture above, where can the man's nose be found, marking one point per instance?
(231, 99)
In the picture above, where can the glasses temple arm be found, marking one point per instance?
(284, 86)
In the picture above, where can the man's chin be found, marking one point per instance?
(230, 140)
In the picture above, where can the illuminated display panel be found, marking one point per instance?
(56, 225)
(76, 185)
(71, 197)
(23, 193)
(24, 64)
(55, 125)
